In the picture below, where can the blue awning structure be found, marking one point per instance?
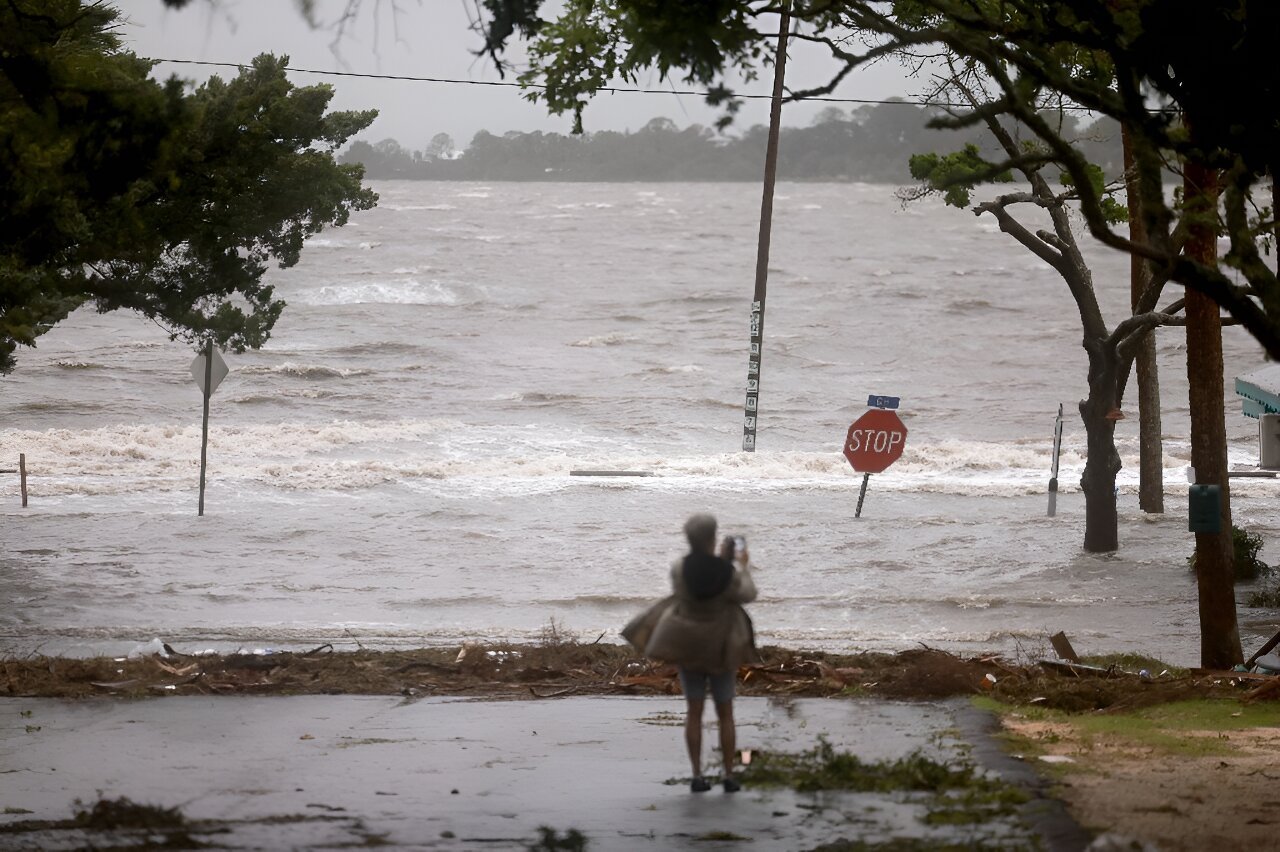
(1261, 391)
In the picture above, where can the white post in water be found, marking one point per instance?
(208, 369)
(204, 420)
(751, 410)
(1053, 477)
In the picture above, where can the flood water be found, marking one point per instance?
(393, 468)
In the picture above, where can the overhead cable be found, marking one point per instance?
(610, 89)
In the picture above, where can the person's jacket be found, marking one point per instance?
(710, 635)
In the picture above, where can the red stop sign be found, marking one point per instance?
(875, 441)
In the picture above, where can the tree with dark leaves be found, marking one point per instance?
(122, 192)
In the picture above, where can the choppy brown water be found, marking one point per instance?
(394, 465)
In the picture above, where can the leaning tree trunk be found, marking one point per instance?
(1101, 524)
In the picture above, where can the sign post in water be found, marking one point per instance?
(875, 441)
(208, 369)
(1053, 475)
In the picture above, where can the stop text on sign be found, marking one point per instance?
(875, 441)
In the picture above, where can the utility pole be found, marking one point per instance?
(1150, 449)
(1215, 571)
(751, 411)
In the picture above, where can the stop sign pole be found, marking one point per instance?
(875, 441)
(208, 369)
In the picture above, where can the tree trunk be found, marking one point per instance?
(1150, 449)
(1098, 482)
(1215, 575)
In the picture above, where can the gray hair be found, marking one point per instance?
(700, 529)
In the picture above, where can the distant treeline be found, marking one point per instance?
(869, 143)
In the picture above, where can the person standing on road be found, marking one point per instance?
(703, 629)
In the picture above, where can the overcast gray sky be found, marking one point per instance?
(431, 39)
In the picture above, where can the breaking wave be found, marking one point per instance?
(612, 339)
(681, 368)
(407, 292)
(303, 371)
(455, 458)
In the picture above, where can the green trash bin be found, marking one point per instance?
(1204, 509)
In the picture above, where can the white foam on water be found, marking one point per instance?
(679, 368)
(382, 205)
(411, 291)
(302, 371)
(450, 456)
(613, 338)
(141, 458)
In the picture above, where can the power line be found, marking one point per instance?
(610, 89)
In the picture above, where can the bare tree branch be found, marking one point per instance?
(1011, 226)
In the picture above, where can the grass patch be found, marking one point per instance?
(961, 794)
(721, 836)
(824, 768)
(1161, 729)
(125, 813)
(976, 806)
(549, 840)
(1143, 733)
(1214, 715)
(124, 824)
